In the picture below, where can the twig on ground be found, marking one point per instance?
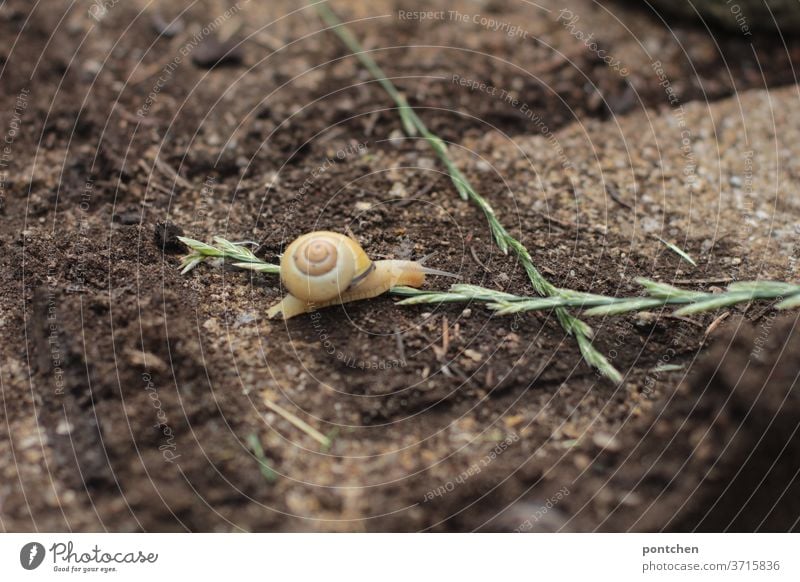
(613, 193)
(299, 423)
(714, 325)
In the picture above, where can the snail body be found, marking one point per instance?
(326, 268)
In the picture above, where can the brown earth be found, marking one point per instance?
(130, 393)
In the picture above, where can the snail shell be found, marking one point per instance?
(320, 266)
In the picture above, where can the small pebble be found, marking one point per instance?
(426, 163)
(246, 317)
(166, 27)
(64, 427)
(397, 137)
(606, 441)
(127, 218)
(212, 53)
(398, 190)
(473, 355)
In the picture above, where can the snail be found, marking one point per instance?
(326, 268)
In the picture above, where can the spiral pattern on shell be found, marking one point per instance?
(316, 256)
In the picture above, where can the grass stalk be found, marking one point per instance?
(657, 295)
(413, 125)
(678, 251)
(240, 256)
(299, 423)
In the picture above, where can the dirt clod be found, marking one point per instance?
(166, 235)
